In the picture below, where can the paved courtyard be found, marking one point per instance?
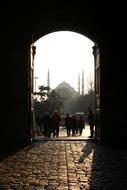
(65, 165)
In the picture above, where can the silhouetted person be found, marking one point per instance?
(55, 124)
(68, 124)
(81, 124)
(74, 125)
(46, 122)
(91, 122)
(38, 123)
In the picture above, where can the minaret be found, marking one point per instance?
(79, 83)
(48, 82)
(82, 81)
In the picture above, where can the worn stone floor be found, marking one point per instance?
(65, 165)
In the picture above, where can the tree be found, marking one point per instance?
(82, 102)
(54, 101)
(90, 86)
(42, 92)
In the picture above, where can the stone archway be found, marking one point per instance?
(16, 38)
(97, 90)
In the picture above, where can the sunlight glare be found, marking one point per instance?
(65, 54)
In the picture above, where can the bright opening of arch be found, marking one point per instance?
(66, 54)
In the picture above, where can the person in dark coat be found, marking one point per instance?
(68, 124)
(81, 124)
(39, 124)
(55, 124)
(91, 121)
(74, 125)
(46, 122)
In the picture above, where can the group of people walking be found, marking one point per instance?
(51, 124)
(74, 125)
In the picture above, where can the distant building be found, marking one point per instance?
(48, 82)
(82, 81)
(79, 83)
(65, 86)
(68, 94)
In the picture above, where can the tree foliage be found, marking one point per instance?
(64, 101)
(52, 103)
(82, 102)
(42, 92)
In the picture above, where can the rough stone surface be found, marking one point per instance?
(65, 165)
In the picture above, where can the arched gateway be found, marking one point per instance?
(18, 35)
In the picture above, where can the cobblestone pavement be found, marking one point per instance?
(65, 165)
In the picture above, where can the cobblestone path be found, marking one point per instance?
(65, 165)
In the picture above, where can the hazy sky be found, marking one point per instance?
(65, 54)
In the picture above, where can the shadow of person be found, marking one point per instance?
(102, 167)
(87, 150)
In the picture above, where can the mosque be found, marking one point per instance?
(66, 85)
